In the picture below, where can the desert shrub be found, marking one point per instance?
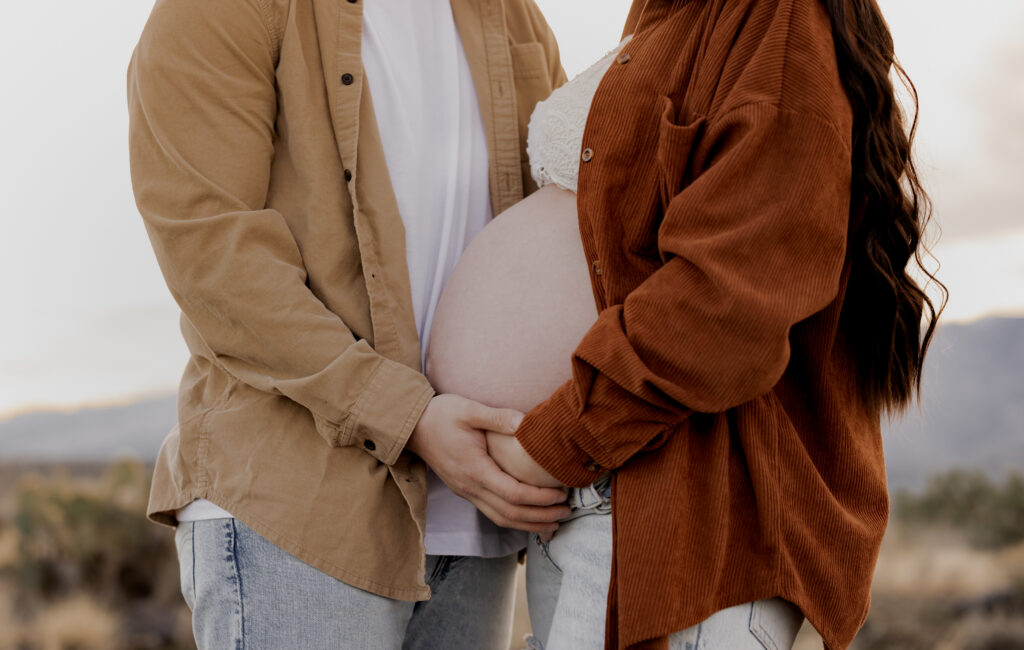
(78, 622)
(92, 536)
(85, 551)
(987, 633)
(990, 513)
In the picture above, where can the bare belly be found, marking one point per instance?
(515, 307)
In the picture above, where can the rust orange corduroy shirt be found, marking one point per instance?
(714, 205)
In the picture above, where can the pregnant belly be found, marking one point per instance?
(515, 306)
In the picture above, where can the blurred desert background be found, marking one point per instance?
(80, 568)
(90, 351)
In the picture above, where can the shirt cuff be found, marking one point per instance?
(387, 411)
(552, 434)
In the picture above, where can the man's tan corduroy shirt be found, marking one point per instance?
(259, 172)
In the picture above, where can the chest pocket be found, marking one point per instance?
(668, 173)
(674, 153)
(529, 61)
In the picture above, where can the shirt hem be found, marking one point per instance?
(164, 514)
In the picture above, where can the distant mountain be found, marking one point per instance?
(972, 414)
(90, 434)
(972, 410)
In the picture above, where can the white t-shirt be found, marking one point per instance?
(436, 152)
(433, 137)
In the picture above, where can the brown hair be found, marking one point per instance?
(884, 307)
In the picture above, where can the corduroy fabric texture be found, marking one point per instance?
(714, 205)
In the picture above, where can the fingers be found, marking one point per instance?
(506, 487)
(511, 504)
(509, 513)
(514, 515)
(480, 416)
(472, 474)
(506, 522)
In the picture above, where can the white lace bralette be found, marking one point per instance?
(555, 134)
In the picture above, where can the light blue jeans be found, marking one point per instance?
(247, 594)
(567, 589)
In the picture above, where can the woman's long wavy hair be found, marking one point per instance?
(885, 309)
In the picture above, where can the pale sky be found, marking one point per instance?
(87, 317)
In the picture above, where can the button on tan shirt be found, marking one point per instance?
(258, 170)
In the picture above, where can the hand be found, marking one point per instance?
(450, 438)
(511, 457)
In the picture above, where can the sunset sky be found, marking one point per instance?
(87, 318)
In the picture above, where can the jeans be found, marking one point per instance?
(567, 583)
(246, 593)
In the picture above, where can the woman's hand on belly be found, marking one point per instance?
(513, 459)
(450, 438)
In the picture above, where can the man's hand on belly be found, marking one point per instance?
(450, 437)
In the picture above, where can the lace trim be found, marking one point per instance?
(555, 134)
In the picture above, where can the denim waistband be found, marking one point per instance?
(595, 498)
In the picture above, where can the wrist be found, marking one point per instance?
(415, 442)
(551, 435)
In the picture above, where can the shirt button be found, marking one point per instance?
(347, 79)
(596, 265)
(591, 466)
(588, 154)
(622, 58)
(369, 445)
(348, 175)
